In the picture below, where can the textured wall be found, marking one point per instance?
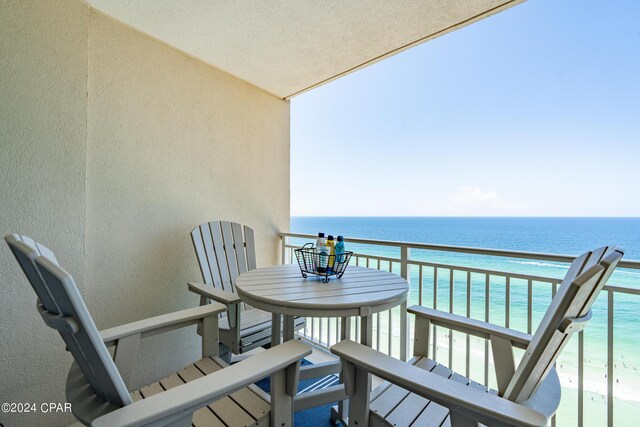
(42, 184)
(288, 46)
(172, 143)
(113, 147)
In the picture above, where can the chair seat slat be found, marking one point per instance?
(230, 252)
(202, 246)
(241, 250)
(243, 407)
(204, 417)
(250, 246)
(408, 410)
(397, 407)
(151, 390)
(433, 414)
(171, 381)
(221, 258)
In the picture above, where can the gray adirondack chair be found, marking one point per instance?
(198, 394)
(425, 393)
(225, 250)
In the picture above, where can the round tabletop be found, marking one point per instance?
(361, 291)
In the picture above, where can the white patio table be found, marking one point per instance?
(360, 292)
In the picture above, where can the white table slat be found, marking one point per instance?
(278, 287)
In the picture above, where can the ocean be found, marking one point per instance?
(553, 235)
(570, 236)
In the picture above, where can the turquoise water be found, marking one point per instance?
(554, 235)
(551, 235)
(570, 236)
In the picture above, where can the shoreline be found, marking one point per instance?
(567, 368)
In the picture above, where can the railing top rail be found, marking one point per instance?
(543, 279)
(633, 264)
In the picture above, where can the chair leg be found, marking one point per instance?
(276, 329)
(183, 422)
(359, 401)
(203, 301)
(281, 402)
(357, 385)
(225, 353)
(458, 420)
(345, 334)
(210, 336)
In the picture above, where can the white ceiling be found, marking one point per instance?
(286, 47)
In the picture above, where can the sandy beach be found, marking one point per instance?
(626, 387)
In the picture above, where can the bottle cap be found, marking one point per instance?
(340, 239)
(330, 237)
(320, 234)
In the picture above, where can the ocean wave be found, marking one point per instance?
(566, 267)
(538, 264)
(628, 273)
(594, 379)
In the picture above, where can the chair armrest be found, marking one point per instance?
(469, 326)
(231, 300)
(479, 406)
(209, 291)
(160, 324)
(179, 402)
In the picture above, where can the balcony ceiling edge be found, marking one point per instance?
(288, 47)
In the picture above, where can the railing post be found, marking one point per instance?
(489, 301)
(285, 240)
(610, 359)
(405, 253)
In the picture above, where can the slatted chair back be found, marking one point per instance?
(224, 250)
(62, 308)
(568, 313)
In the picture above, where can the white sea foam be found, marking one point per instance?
(625, 389)
(628, 273)
(566, 267)
(598, 386)
(538, 264)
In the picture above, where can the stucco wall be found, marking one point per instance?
(42, 183)
(172, 143)
(114, 146)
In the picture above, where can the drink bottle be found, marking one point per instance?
(340, 250)
(331, 248)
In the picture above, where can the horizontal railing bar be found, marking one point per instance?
(457, 268)
(622, 289)
(541, 279)
(491, 272)
(356, 254)
(633, 264)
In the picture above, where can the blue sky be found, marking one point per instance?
(532, 112)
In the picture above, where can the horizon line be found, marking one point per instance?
(462, 216)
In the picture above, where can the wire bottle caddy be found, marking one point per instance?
(321, 264)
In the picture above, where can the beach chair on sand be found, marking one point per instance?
(224, 251)
(199, 394)
(425, 393)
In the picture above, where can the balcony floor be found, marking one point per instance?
(314, 417)
(320, 416)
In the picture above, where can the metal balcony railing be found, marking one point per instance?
(513, 299)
